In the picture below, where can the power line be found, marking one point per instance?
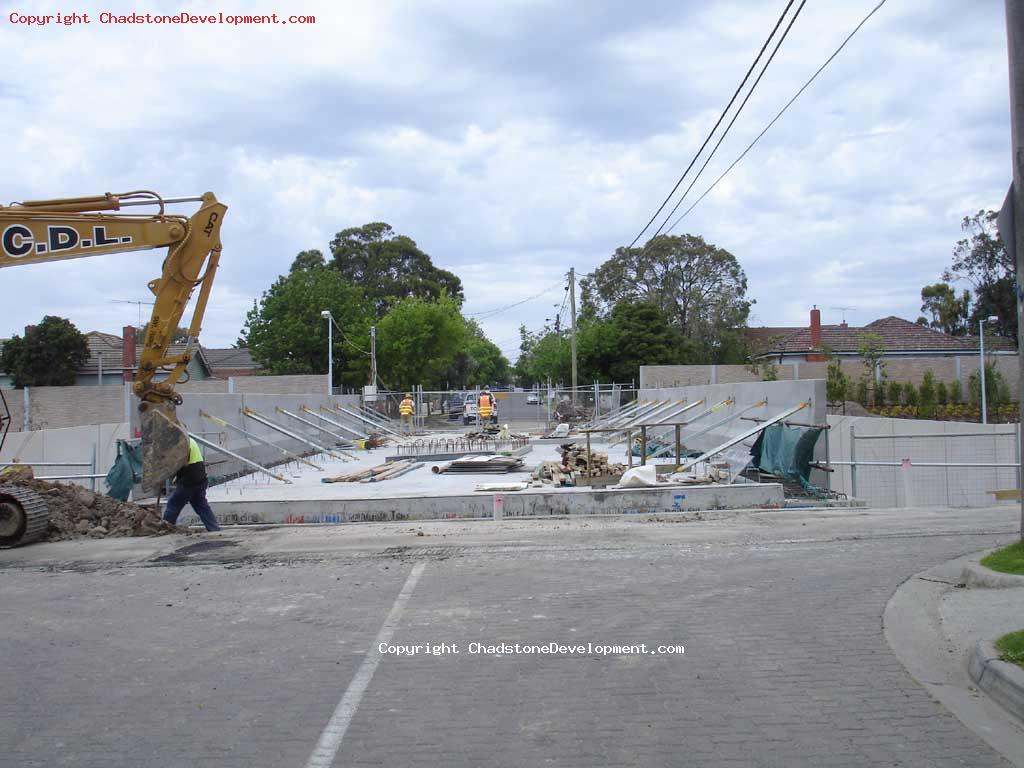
(717, 123)
(780, 113)
(493, 312)
(728, 128)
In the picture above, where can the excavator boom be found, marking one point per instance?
(70, 228)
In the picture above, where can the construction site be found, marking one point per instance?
(524, 477)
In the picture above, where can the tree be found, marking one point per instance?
(872, 352)
(701, 288)
(286, 334)
(180, 335)
(307, 260)
(48, 355)
(949, 313)
(390, 267)
(927, 396)
(481, 363)
(418, 341)
(981, 259)
(543, 355)
(837, 383)
(639, 333)
(997, 391)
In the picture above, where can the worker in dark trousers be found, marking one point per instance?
(190, 488)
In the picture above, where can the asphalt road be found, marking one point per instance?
(253, 648)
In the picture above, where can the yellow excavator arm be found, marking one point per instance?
(72, 228)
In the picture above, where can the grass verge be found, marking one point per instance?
(1007, 560)
(1011, 648)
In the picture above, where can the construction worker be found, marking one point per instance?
(485, 407)
(190, 488)
(406, 409)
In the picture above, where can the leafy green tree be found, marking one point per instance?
(48, 355)
(949, 312)
(956, 392)
(837, 383)
(862, 392)
(942, 393)
(981, 259)
(895, 393)
(307, 260)
(390, 267)
(542, 355)
(872, 353)
(180, 335)
(996, 389)
(910, 394)
(418, 340)
(286, 334)
(701, 288)
(927, 396)
(481, 363)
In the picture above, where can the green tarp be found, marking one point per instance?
(786, 452)
(126, 472)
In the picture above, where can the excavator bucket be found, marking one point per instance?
(164, 445)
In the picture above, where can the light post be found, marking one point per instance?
(326, 315)
(981, 351)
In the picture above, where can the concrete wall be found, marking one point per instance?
(75, 444)
(60, 407)
(892, 441)
(229, 408)
(639, 501)
(903, 369)
(781, 395)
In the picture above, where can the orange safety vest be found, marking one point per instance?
(484, 406)
(405, 408)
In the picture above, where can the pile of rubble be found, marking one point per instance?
(574, 468)
(77, 512)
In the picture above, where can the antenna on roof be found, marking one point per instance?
(844, 310)
(139, 303)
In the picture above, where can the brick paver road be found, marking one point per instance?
(240, 660)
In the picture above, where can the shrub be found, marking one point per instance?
(910, 394)
(862, 392)
(956, 392)
(941, 393)
(926, 396)
(895, 392)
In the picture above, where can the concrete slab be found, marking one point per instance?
(423, 495)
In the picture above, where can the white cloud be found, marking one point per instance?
(512, 142)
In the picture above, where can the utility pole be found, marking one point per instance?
(572, 308)
(373, 355)
(1015, 48)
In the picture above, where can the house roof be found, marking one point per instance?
(109, 348)
(234, 358)
(897, 335)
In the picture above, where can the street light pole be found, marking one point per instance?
(326, 314)
(981, 369)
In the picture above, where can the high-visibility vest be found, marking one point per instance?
(406, 407)
(484, 406)
(194, 454)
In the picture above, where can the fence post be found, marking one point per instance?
(853, 461)
(26, 416)
(828, 457)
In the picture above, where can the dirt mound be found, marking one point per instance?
(77, 512)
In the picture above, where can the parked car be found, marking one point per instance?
(533, 399)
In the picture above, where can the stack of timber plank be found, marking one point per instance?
(493, 464)
(374, 474)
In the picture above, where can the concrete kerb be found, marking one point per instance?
(976, 575)
(1000, 679)
(913, 627)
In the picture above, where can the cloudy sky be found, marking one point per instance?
(513, 140)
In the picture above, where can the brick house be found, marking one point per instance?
(908, 349)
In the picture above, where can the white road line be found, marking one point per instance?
(330, 740)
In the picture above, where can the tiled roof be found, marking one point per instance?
(110, 348)
(897, 334)
(235, 358)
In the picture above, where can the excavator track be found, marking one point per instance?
(24, 516)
